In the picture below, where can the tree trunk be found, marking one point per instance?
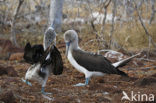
(55, 17)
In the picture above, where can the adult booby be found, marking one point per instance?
(88, 63)
(45, 60)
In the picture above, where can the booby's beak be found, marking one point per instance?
(67, 47)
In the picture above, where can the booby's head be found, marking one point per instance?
(49, 37)
(71, 40)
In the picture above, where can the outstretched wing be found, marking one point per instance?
(33, 54)
(53, 57)
(56, 61)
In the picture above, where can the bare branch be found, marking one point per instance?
(105, 6)
(92, 21)
(149, 60)
(13, 34)
(144, 27)
(105, 14)
(153, 11)
(112, 29)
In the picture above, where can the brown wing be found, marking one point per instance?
(94, 62)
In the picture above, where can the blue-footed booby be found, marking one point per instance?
(90, 64)
(44, 60)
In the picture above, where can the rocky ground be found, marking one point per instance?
(106, 89)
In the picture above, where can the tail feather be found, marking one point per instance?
(122, 73)
(124, 61)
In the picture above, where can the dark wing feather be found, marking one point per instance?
(33, 54)
(38, 51)
(57, 61)
(94, 62)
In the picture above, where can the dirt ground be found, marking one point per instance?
(106, 89)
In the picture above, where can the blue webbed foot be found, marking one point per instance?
(83, 84)
(27, 82)
(80, 85)
(45, 93)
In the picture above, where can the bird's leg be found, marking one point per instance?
(27, 82)
(43, 92)
(87, 81)
(83, 84)
(43, 87)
